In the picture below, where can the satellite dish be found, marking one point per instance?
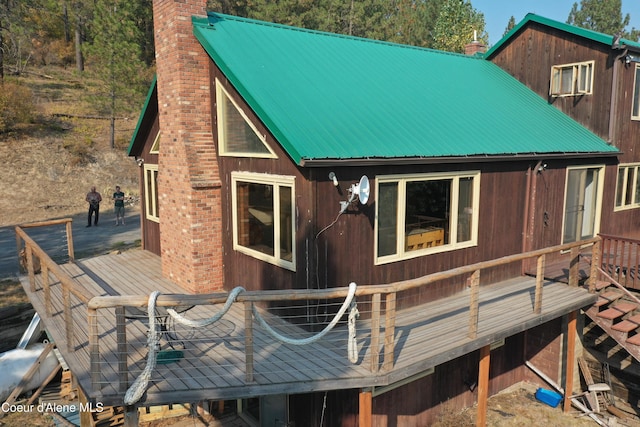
(362, 189)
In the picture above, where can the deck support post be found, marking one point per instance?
(389, 331)
(596, 250)
(365, 411)
(483, 385)
(571, 358)
(131, 416)
(70, 249)
(574, 266)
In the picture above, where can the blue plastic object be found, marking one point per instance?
(549, 397)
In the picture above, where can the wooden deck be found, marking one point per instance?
(214, 358)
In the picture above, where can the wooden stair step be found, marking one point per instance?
(601, 284)
(634, 340)
(618, 310)
(607, 297)
(627, 325)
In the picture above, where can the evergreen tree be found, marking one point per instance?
(510, 25)
(604, 16)
(456, 25)
(114, 57)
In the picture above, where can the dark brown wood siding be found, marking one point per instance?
(150, 229)
(333, 250)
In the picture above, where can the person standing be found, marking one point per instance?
(118, 198)
(93, 198)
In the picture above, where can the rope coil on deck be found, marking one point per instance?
(139, 386)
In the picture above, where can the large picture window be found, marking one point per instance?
(572, 79)
(152, 209)
(263, 217)
(628, 186)
(237, 136)
(423, 214)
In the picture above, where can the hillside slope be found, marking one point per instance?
(50, 165)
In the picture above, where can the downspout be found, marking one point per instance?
(528, 226)
(614, 94)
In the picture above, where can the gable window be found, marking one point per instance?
(155, 147)
(628, 186)
(635, 109)
(152, 209)
(237, 136)
(263, 221)
(572, 79)
(423, 214)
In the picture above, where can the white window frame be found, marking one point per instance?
(598, 194)
(151, 200)
(276, 181)
(635, 105)
(579, 85)
(401, 180)
(221, 94)
(624, 186)
(155, 147)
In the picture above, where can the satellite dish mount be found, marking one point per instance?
(360, 191)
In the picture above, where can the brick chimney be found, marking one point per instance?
(189, 185)
(475, 46)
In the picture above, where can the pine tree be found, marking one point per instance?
(604, 16)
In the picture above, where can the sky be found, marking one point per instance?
(497, 12)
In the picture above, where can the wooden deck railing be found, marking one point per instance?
(49, 270)
(377, 293)
(620, 260)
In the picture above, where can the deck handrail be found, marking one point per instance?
(387, 292)
(621, 259)
(48, 266)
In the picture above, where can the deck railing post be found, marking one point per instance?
(596, 251)
(94, 348)
(537, 305)
(19, 245)
(46, 289)
(70, 250)
(574, 266)
(68, 317)
(121, 337)
(474, 310)
(375, 332)
(30, 269)
(248, 340)
(389, 331)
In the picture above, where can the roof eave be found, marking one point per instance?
(483, 158)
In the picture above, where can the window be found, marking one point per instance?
(423, 214)
(263, 220)
(155, 148)
(237, 136)
(572, 79)
(151, 192)
(635, 109)
(582, 203)
(628, 186)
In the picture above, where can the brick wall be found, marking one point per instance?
(188, 181)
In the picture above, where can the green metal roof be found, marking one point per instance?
(328, 96)
(144, 117)
(580, 32)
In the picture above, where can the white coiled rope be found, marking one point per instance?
(314, 338)
(139, 386)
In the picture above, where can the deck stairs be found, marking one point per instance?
(617, 312)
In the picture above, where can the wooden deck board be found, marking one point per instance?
(214, 361)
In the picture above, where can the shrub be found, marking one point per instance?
(16, 106)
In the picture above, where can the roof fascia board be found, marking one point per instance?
(143, 114)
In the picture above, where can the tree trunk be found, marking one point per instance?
(79, 57)
(1, 55)
(65, 18)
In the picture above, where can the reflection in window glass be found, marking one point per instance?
(387, 218)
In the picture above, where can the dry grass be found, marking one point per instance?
(50, 165)
(11, 293)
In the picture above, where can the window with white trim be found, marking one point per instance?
(237, 136)
(572, 79)
(423, 214)
(263, 217)
(155, 147)
(635, 109)
(628, 186)
(152, 209)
